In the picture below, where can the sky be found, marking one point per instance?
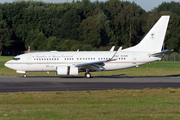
(147, 5)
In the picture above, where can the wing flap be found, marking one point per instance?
(91, 63)
(94, 66)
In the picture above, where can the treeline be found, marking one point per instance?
(81, 25)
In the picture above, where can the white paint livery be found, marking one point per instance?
(71, 63)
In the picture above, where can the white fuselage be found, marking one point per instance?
(48, 61)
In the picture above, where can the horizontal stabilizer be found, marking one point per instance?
(161, 53)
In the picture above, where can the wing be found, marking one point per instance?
(96, 66)
(92, 66)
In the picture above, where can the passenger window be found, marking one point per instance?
(72, 58)
(57, 58)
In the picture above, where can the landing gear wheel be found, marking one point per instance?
(87, 75)
(24, 75)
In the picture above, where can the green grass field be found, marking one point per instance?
(145, 104)
(158, 68)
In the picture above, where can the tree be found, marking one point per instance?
(90, 31)
(52, 43)
(70, 23)
(83, 25)
(126, 22)
(3, 30)
(173, 37)
(40, 42)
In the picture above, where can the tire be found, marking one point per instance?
(24, 75)
(88, 75)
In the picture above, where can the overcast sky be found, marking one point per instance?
(145, 4)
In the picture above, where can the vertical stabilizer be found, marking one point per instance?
(154, 39)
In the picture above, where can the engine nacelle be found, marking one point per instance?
(66, 70)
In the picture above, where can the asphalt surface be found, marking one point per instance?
(57, 83)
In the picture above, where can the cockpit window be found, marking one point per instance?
(16, 58)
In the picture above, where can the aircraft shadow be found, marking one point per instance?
(176, 75)
(99, 76)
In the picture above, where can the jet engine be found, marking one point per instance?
(66, 70)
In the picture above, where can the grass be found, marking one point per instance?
(109, 104)
(159, 68)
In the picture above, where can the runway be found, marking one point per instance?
(57, 83)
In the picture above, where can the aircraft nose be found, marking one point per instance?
(7, 64)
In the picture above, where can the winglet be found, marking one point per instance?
(116, 55)
(112, 49)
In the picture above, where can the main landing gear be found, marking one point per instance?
(87, 75)
(25, 75)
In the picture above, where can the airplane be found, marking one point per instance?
(73, 62)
